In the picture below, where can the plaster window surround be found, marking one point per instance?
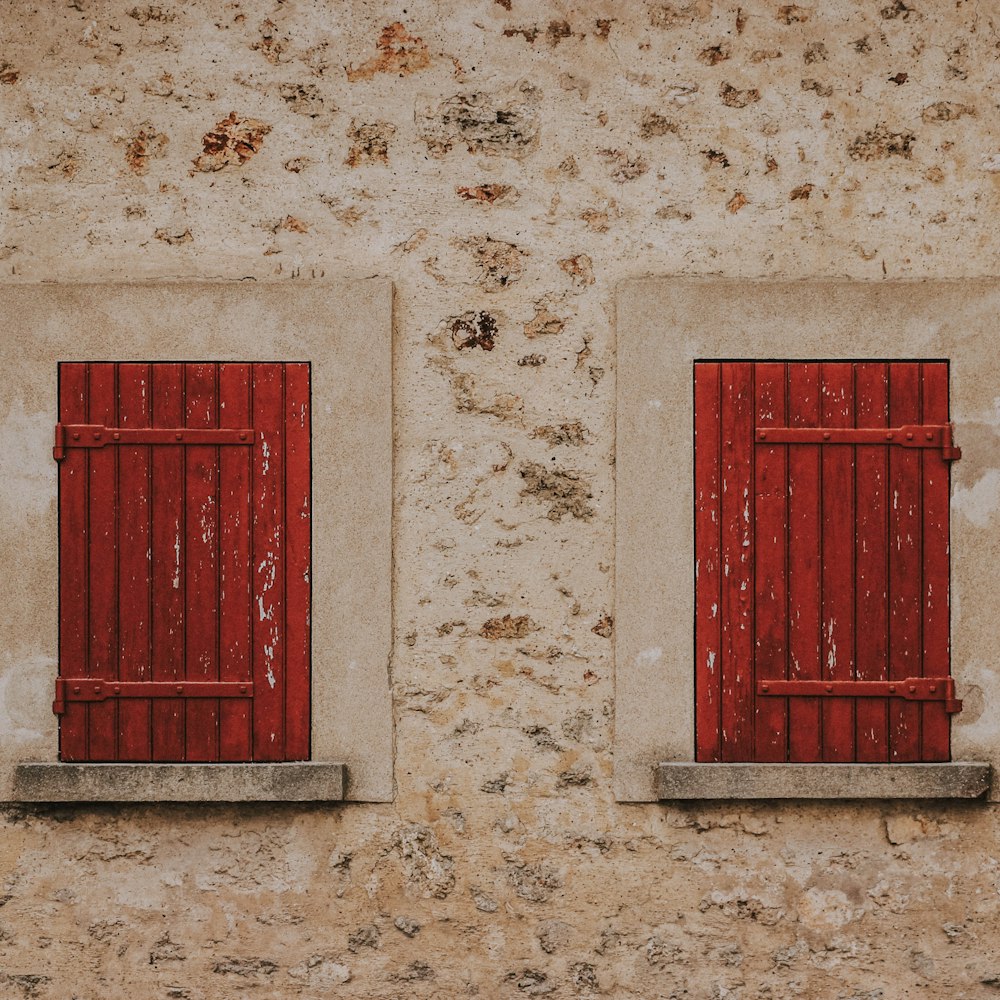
(343, 331)
(663, 327)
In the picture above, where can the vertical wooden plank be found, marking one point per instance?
(268, 563)
(708, 568)
(201, 564)
(935, 594)
(871, 554)
(134, 392)
(168, 562)
(73, 546)
(839, 532)
(298, 586)
(770, 554)
(737, 561)
(905, 563)
(235, 714)
(103, 538)
(805, 732)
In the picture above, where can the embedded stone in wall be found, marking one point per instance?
(564, 490)
(733, 97)
(397, 51)
(570, 433)
(424, 865)
(144, 144)
(369, 142)
(473, 329)
(232, 142)
(543, 323)
(880, 142)
(302, 98)
(504, 123)
(499, 262)
(487, 194)
(579, 268)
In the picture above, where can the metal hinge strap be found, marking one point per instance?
(938, 436)
(911, 688)
(98, 436)
(91, 689)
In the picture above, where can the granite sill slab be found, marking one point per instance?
(309, 781)
(957, 780)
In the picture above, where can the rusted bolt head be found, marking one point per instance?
(913, 688)
(76, 435)
(178, 436)
(764, 687)
(929, 435)
(909, 436)
(829, 687)
(933, 688)
(76, 690)
(180, 688)
(243, 435)
(892, 689)
(97, 435)
(116, 436)
(826, 435)
(888, 437)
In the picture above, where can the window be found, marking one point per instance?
(194, 340)
(670, 715)
(184, 552)
(821, 561)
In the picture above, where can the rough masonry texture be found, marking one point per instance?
(506, 165)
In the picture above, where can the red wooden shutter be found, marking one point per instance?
(822, 572)
(184, 547)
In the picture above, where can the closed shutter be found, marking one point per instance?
(822, 561)
(184, 547)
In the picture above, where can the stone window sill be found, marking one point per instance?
(688, 781)
(311, 781)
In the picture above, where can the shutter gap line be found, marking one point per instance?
(751, 534)
(786, 540)
(723, 666)
(218, 559)
(248, 527)
(921, 471)
(283, 521)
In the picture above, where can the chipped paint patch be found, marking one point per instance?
(978, 503)
(29, 479)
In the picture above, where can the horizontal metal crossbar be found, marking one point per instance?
(911, 688)
(93, 689)
(938, 436)
(99, 436)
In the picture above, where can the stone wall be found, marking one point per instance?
(506, 164)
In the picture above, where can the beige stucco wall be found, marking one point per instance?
(506, 169)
